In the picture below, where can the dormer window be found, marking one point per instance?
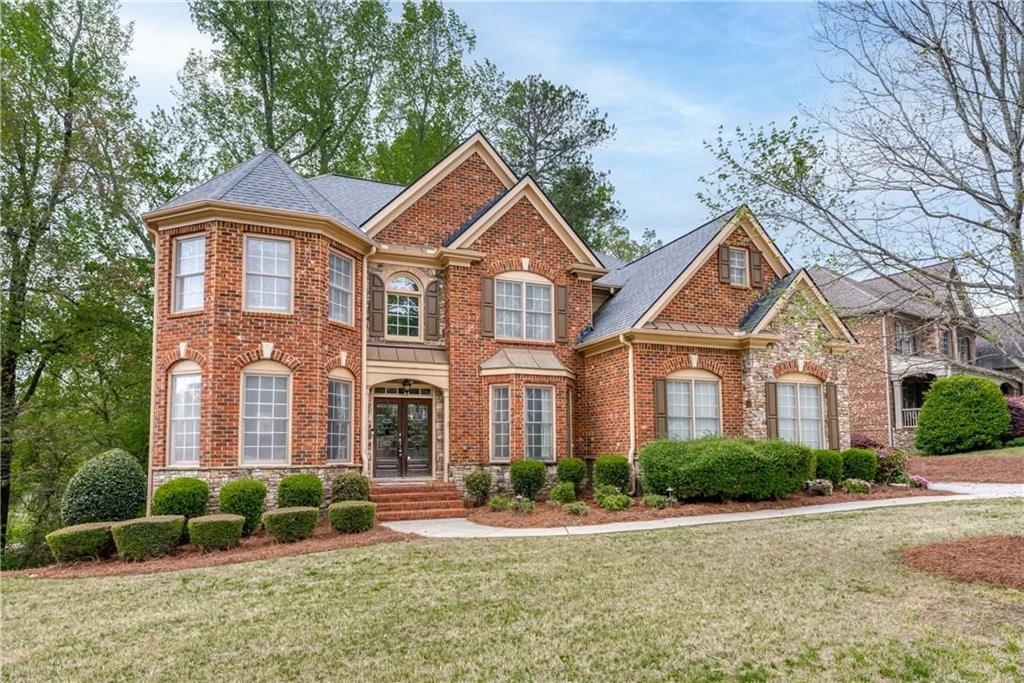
(738, 267)
(403, 294)
(523, 308)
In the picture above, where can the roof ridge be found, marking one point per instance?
(266, 154)
(685, 234)
(303, 187)
(354, 177)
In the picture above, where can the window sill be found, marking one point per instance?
(191, 313)
(529, 342)
(267, 314)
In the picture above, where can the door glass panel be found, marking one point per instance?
(416, 444)
(385, 438)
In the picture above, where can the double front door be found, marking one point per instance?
(401, 437)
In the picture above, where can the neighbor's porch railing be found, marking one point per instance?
(910, 416)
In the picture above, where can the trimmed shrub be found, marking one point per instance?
(146, 537)
(478, 485)
(521, 505)
(352, 516)
(856, 486)
(528, 477)
(300, 491)
(81, 542)
(244, 497)
(578, 508)
(185, 496)
(1015, 404)
(892, 466)
(573, 470)
(820, 487)
(916, 481)
(653, 500)
(615, 502)
(108, 488)
(859, 463)
(499, 503)
(288, 525)
(961, 414)
(858, 440)
(215, 532)
(725, 468)
(603, 490)
(828, 464)
(350, 486)
(1015, 443)
(612, 470)
(563, 492)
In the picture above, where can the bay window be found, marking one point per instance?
(185, 391)
(189, 273)
(500, 422)
(266, 388)
(268, 274)
(339, 288)
(339, 420)
(539, 411)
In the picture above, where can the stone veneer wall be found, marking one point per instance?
(501, 480)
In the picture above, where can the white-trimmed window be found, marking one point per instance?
(945, 342)
(500, 423)
(185, 392)
(266, 413)
(268, 274)
(964, 349)
(339, 288)
(403, 307)
(539, 420)
(693, 405)
(339, 416)
(189, 273)
(738, 267)
(523, 307)
(801, 412)
(906, 341)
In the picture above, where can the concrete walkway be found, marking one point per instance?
(463, 528)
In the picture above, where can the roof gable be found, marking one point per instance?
(773, 301)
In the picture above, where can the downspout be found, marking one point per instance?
(152, 387)
(364, 432)
(888, 382)
(631, 457)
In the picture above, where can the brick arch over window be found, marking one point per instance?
(507, 265)
(286, 359)
(171, 357)
(684, 363)
(342, 360)
(807, 367)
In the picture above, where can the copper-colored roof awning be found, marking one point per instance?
(406, 354)
(513, 361)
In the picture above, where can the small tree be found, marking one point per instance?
(960, 414)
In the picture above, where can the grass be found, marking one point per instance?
(814, 598)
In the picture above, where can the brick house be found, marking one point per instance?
(419, 333)
(911, 330)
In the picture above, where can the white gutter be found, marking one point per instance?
(631, 457)
(365, 431)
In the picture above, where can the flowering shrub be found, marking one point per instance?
(856, 486)
(892, 465)
(858, 440)
(916, 481)
(1016, 406)
(820, 487)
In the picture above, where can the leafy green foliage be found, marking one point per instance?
(352, 516)
(892, 466)
(146, 537)
(563, 492)
(528, 477)
(856, 486)
(521, 505)
(245, 497)
(578, 508)
(828, 465)
(350, 486)
(659, 502)
(961, 414)
(215, 532)
(612, 470)
(300, 490)
(478, 486)
(499, 503)
(81, 542)
(860, 463)
(614, 502)
(186, 496)
(108, 488)
(573, 470)
(288, 525)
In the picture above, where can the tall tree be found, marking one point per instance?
(67, 123)
(920, 160)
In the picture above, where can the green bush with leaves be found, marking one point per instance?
(522, 505)
(185, 496)
(573, 470)
(108, 488)
(860, 463)
(146, 537)
(352, 516)
(659, 502)
(563, 492)
(578, 508)
(828, 464)
(300, 490)
(215, 532)
(288, 525)
(478, 486)
(892, 466)
(245, 497)
(853, 485)
(81, 542)
(528, 477)
(615, 502)
(499, 503)
(962, 414)
(350, 486)
(612, 470)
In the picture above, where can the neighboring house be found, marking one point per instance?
(420, 333)
(906, 325)
(1001, 344)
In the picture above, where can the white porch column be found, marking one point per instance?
(897, 401)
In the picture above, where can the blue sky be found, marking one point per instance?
(667, 74)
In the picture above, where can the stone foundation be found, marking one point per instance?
(501, 480)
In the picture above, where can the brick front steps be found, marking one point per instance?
(427, 500)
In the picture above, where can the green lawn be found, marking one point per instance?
(808, 598)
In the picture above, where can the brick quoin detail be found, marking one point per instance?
(683, 363)
(810, 368)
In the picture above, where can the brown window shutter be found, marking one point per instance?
(432, 312)
(756, 276)
(487, 306)
(561, 313)
(771, 409)
(376, 306)
(832, 415)
(660, 410)
(723, 264)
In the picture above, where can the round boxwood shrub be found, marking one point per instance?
(185, 496)
(573, 470)
(352, 516)
(107, 488)
(528, 477)
(300, 490)
(614, 502)
(860, 463)
(856, 486)
(478, 485)
(563, 492)
(291, 524)
(215, 532)
(578, 508)
(146, 537)
(244, 497)
(350, 486)
(961, 414)
(612, 470)
(81, 542)
(828, 464)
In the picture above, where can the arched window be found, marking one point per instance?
(185, 389)
(403, 307)
(339, 415)
(266, 413)
(801, 409)
(523, 307)
(693, 404)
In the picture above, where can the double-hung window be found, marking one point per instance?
(265, 417)
(945, 342)
(738, 267)
(339, 420)
(189, 273)
(339, 288)
(964, 349)
(500, 422)
(268, 274)
(403, 307)
(186, 388)
(800, 413)
(906, 342)
(693, 409)
(539, 420)
(522, 310)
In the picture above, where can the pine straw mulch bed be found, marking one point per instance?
(983, 469)
(256, 547)
(545, 515)
(991, 559)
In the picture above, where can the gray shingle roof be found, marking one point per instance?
(1007, 329)
(759, 309)
(357, 198)
(609, 261)
(474, 217)
(908, 293)
(641, 282)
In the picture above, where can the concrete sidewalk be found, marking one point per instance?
(463, 528)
